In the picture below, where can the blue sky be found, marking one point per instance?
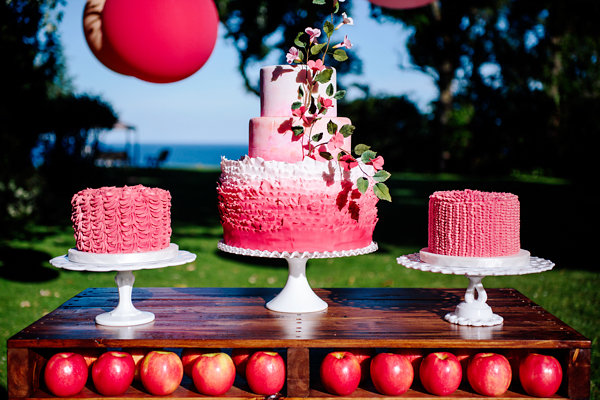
(212, 106)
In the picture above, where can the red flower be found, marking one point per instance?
(316, 66)
(348, 162)
(325, 103)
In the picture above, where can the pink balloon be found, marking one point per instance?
(401, 4)
(97, 42)
(162, 40)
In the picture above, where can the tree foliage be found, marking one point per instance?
(37, 99)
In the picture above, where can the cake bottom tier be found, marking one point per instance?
(276, 206)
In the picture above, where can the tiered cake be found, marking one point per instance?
(282, 197)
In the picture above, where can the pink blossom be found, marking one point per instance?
(325, 103)
(376, 162)
(347, 20)
(346, 43)
(316, 66)
(292, 55)
(314, 33)
(336, 141)
(300, 112)
(348, 162)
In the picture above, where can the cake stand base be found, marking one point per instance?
(474, 310)
(125, 314)
(297, 296)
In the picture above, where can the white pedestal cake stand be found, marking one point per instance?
(125, 314)
(296, 296)
(474, 310)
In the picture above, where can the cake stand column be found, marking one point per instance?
(125, 314)
(474, 310)
(297, 296)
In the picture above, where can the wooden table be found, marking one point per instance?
(356, 318)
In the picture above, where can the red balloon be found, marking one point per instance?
(162, 40)
(401, 4)
(97, 42)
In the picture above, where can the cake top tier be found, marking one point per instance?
(282, 85)
(472, 196)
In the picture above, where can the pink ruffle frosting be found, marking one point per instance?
(129, 219)
(471, 223)
(292, 213)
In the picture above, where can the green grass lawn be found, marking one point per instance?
(30, 287)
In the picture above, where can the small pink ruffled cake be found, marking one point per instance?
(129, 219)
(471, 223)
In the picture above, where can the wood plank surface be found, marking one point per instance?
(237, 317)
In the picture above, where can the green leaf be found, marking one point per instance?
(336, 6)
(340, 55)
(382, 191)
(298, 130)
(332, 127)
(381, 176)
(347, 130)
(326, 155)
(298, 41)
(329, 90)
(319, 2)
(368, 156)
(339, 94)
(316, 49)
(360, 148)
(328, 28)
(362, 184)
(300, 92)
(324, 76)
(296, 105)
(317, 138)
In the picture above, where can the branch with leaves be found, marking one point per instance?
(311, 54)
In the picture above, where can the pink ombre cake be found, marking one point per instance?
(471, 223)
(279, 199)
(115, 220)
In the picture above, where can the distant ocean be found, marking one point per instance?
(188, 155)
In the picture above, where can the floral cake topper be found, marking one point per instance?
(311, 53)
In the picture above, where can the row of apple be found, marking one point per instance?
(440, 372)
(213, 372)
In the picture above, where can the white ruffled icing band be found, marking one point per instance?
(296, 254)
(83, 257)
(307, 169)
(517, 260)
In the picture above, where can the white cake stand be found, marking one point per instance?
(474, 310)
(125, 314)
(296, 296)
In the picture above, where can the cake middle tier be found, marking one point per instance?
(272, 138)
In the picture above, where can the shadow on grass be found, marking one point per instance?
(25, 265)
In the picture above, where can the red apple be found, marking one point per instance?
(161, 372)
(213, 373)
(340, 373)
(113, 372)
(265, 372)
(65, 374)
(489, 374)
(240, 359)
(364, 357)
(138, 355)
(189, 356)
(415, 356)
(391, 374)
(440, 373)
(540, 375)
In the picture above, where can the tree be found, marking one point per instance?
(36, 99)
(512, 75)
